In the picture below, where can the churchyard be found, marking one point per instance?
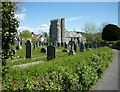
(58, 67)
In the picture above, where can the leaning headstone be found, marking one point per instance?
(43, 50)
(28, 49)
(51, 52)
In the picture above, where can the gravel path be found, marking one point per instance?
(109, 80)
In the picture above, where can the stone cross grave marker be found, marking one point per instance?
(51, 52)
(28, 49)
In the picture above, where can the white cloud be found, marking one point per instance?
(75, 18)
(42, 28)
(21, 16)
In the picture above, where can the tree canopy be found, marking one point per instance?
(25, 34)
(111, 32)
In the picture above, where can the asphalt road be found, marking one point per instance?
(109, 80)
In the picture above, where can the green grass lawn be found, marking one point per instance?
(35, 72)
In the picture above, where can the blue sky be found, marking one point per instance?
(36, 16)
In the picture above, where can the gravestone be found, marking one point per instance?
(34, 46)
(62, 44)
(65, 45)
(37, 43)
(75, 47)
(28, 49)
(58, 44)
(51, 52)
(47, 43)
(43, 50)
(18, 47)
(72, 52)
(82, 47)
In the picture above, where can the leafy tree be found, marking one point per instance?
(111, 32)
(90, 31)
(9, 31)
(25, 34)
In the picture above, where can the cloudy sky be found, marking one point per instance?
(36, 16)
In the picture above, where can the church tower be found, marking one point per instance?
(63, 30)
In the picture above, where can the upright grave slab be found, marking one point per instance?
(51, 52)
(28, 49)
(82, 47)
(75, 47)
(72, 52)
(65, 45)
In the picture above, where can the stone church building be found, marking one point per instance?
(59, 34)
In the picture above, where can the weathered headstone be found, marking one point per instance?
(18, 47)
(51, 52)
(43, 50)
(61, 44)
(65, 45)
(47, 43)
(58, 44)
(34, 46)
(75, 47)
(37, 43)
(28, 49)
(72, 52)
(82, 47)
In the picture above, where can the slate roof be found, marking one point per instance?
(73, 34)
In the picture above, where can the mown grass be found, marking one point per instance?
(35, 72)
(62, 60)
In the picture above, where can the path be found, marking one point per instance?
(109, 80)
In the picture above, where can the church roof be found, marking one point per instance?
(73, 34)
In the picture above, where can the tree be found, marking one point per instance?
(9, 31)
(111, 32)
(100, 29)
(90, 31)
(25, 34)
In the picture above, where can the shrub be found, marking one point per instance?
(73, 73)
